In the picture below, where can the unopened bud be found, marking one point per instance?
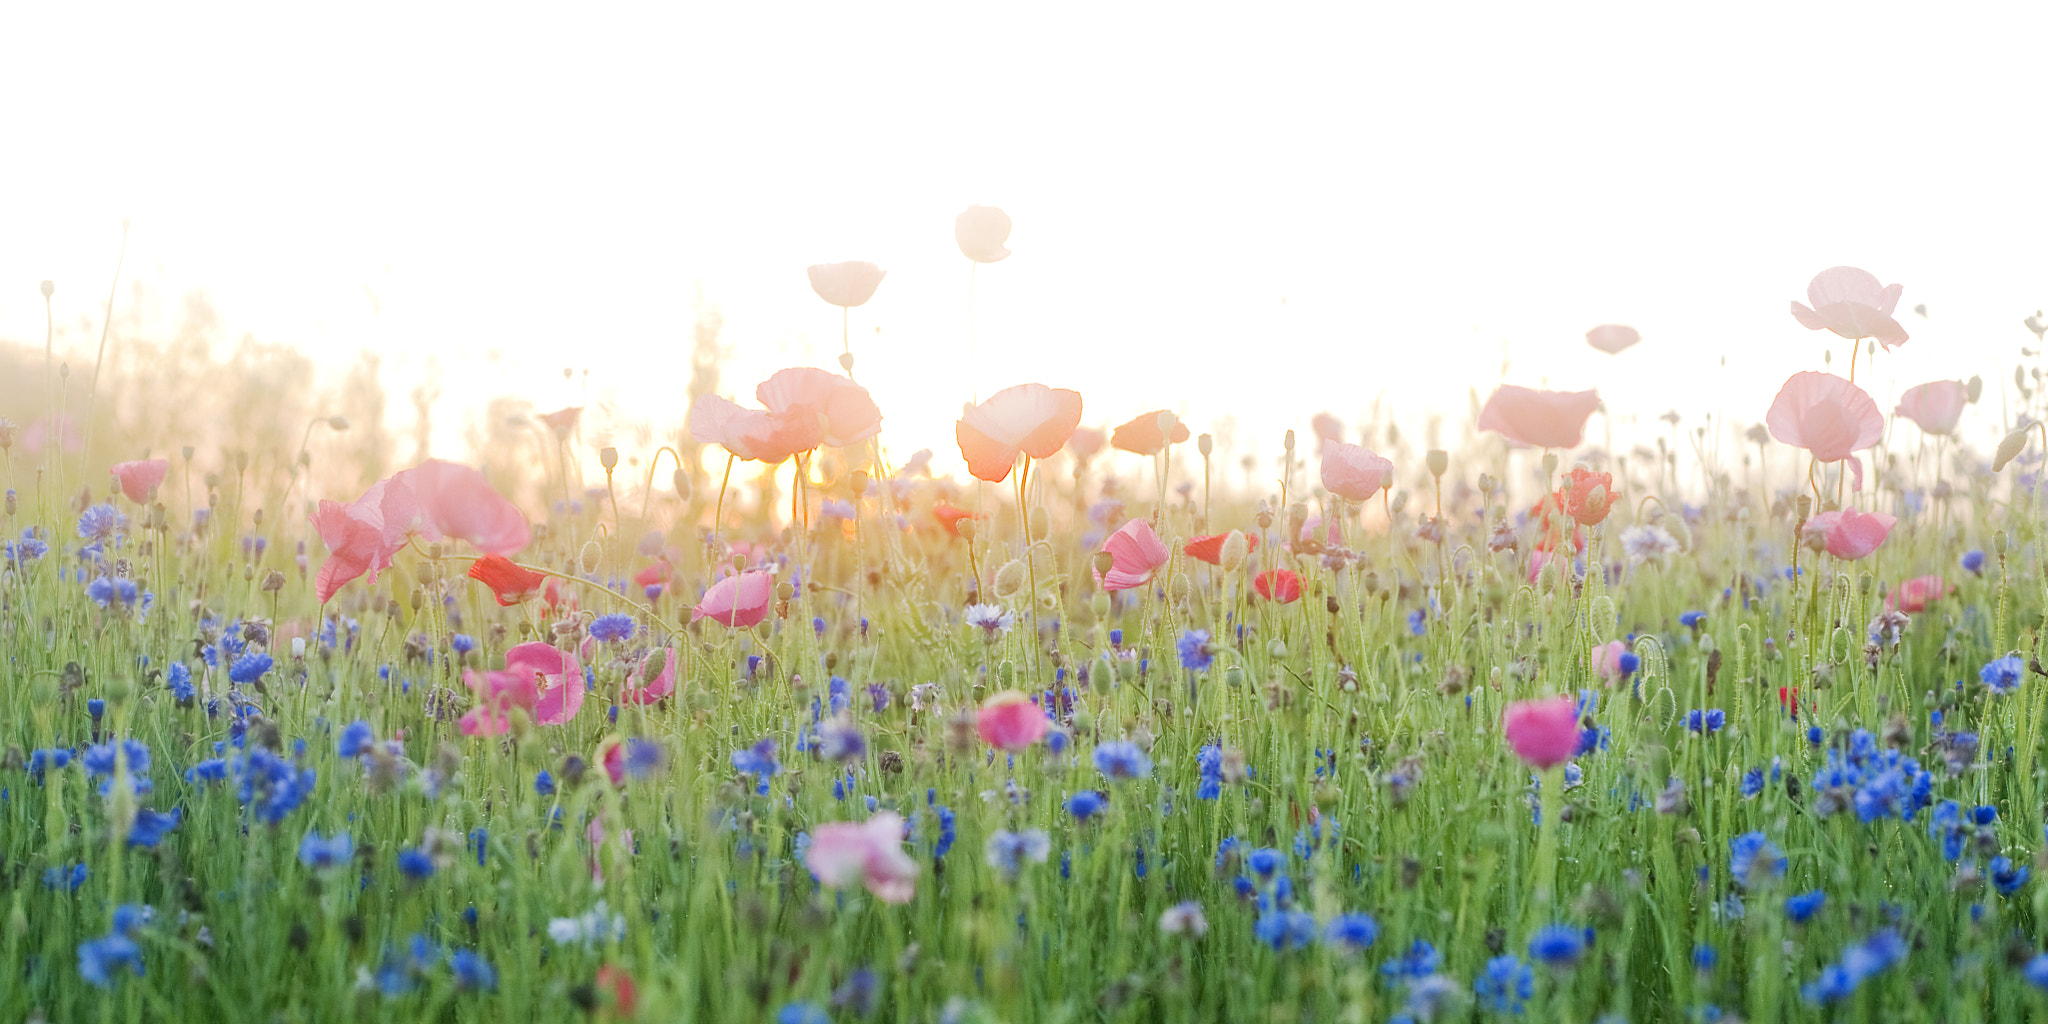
(1234, 551)
(49, 289)
(337, 423)
(846, 361)
(965, 528)
(1438, 461)
(1206, 445)
(590, 557)
(1975, 389)
(681, 481)
(1549, 465)
(608, 457)
(2009, 449)
(857, 482)
(1040, 521)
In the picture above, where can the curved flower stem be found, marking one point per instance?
(647, 496)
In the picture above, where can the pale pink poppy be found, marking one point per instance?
(1612, 338)
(754, 434)
(844, 852)
(63, 425)
(848, 412)
(739, 601)
(1539, 419)
(562, 421)
(1352, 472)
(1086, 442)
(1916, 594)
(637, 691)
(1029, 419)
(1009, 721)
(140, 477)
(1849, 534)
(1326, 427)
(1935, 406)
(981, 232)
(1851, 303)
(497, 693)
(1607, 659)
(846, 284)
(1825, 415)
(1545, 733)
(362, 535)
(1148, 432)
(1136, 552)
(456, 501)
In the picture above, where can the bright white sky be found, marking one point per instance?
(1223, 211)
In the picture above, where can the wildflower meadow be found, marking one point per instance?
(1549, 724)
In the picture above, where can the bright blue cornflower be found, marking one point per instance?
(1351, 933)
(1122, 760)
(1194, 650)
(2003, 675)
(248, 668)
(1086, 804)
(1506, 984)
(611, 629)
(1558, 945)
(415, 864)
(1802, 907)
(321, 854)
(472, 972)
(1754, 861)
(356, 739)
(1285, 929)
(2007, 876)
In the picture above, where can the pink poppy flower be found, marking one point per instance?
(1331, 530)
(1612, 338)
(848, 412)
(1851, 303)
(1029, 419)
(362, 535)
(1143, 435)
(1326, 427)
(1137, 553)
(739, 601)
(497, 693)
(538, 677)
(1009, 721)
(563, 421)
(140, 477)
(1825, 415)
(1916, 594)
(664, 682)
(846, 284)
(1607, 659)
(1935, 406)
(1849, 534)
(1545, 733)
(1352, 472)
(456, 501)
(1539, 419)
(1086, 442)
(754, 434)
(845, 852)
(63, 425)
(981, 232)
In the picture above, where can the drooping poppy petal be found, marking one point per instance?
(1029, 418)
(1539, 419)
(1352, 472)
(1136, 554)
(1825, 415)
(1936, 407)
(1282, 586)
(846, 284)
(1612, 338)
(138, 478)
(1148, 432)
(738, 601)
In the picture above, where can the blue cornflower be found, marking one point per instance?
(99, 958)
(1802, 907)
(96, 709)
(271, 786)
(544, 783)
(1754, 861)
(472, 972)
(45, 759)
(1704, 957)
(2007, 876)
(1558, 945)
(611, 629)
(802, 1013)
(1194, 650)
(1285, 929)
(1351, 933)
(1418, 622)
(100, 522)
(1116, 638)
(857, 992)
(879, 694)
(356, 739)
(415, 863)
(1008, 851)
(1264, 861)
(178, 679)
(320, 854)
(2003, 675)
(1420, 961)
(1506, 984)
(1752, 783)
(1628, 663)
(248, 668)
(99, 759)
(1692, 620)
(1209, 761)
(462, 643)
(2036, 970)
(1711, 720)
(643, 758)
(1086, 804)
(1973, 562)
(1122, 760)
(149, 826)
(69, 881)
(28, 549)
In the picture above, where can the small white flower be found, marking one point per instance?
(1184, 919)
(992, 619)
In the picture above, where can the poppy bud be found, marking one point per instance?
(1277, 649)
(1975, 388)
(1805, 505)
(1040, 521)
(1550, 465)
(1438, 460)
(591, 556)
(1010, 580)
(1998, 543)
(846, 361)
(608, 457)
(1233, 677)
(1290, 441)
(784, 591)
(1178, 588)
(49, 289)
(1400, 502)
(681, 481)
(1235, 549)
(1099, 605)
(2009, 449)
(1205, 444)
(337, 423)
(965, 528)
(857, 482)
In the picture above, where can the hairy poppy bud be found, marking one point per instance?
(2009, 449)
(1235, 549)
(1438, 461)
(1206, 445)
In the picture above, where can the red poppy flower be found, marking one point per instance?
(1788, 699)
(510, 582)
(1210, 549)
(949, 517)
(1282, 585)
(1587, 496)
(624, 995)
(656, 572)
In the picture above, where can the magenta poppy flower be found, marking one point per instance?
(844, 853)
(1009, 721)
(640, 690)
(140, 477)
(1028, 419)
(1612, 338)
(740, 601)
(982, 232)
(1353, 472)
(538, 677)
(1825, 415)
(1851, 303)
(846, 284)
(1539, 419)
(1545, 733)
(1849, 534)
(1935, 406)
(846, 410)
(1137, 553)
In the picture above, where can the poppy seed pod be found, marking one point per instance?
(608, 457)
(590, 556)
(1975, 388)
(1103, 562)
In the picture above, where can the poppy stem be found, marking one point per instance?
(718, 514)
